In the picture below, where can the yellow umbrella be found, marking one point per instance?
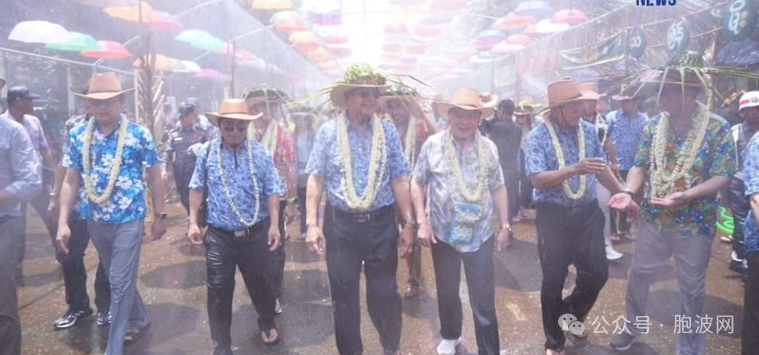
(272, 4)
(319, 55)
(302, 37)
(161, 63)
(132, 13)
(328, 65)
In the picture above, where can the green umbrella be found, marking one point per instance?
(77, 42)
(201, 39)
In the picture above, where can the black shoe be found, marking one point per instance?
(103, 319)
(738, 266)
(70, 318)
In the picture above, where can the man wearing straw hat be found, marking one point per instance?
(19, 182)
(358, 159)
(399, 102)
(106, 157)
(243, 191)
(686, 156)
(460, 171)
(280, 144)
(565, 162)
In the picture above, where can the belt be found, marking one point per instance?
(555, 206)
(380, 214)
(242, 232)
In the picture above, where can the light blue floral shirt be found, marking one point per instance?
(127, 201)
(324, 162)
(238, 178)
(751, 175)
(432, 171)
(541, 156)
(625, 133)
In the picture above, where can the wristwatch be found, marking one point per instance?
(629, 192)
(410, 222)
(508, 228)
(162, 215)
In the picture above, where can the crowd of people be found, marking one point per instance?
(394, 177)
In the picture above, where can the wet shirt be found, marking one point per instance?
(751, 172)
(239, 179)
(625, 132)
(325, 162)
(716, 157)
(127, 201)
(33, 128)
(19, 166)
(741, 136)
(180, 140)
(541, 156)
(432, 171)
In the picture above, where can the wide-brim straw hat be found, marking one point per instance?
(405, 94)
(357, 76)
(103, 86)
(235, 109)
(266, 94)
(489, 99)
(673, 76)
(563, 92)
(524, 108)
(465, 99)
(589, 91)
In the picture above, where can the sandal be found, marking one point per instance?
(265, 335)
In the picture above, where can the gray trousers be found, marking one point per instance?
(119, 249)
(11, 239)
(652, 250)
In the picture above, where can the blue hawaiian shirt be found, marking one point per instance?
(324, 162)
(541, 157)
(625, 133)
(238, 178)
(751, 174)
(127, 201)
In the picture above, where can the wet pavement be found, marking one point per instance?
(172, 283)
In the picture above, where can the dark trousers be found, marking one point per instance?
(739, 207)
(11, 238)
(275, 267)
(249, 253)
(511, 179)
(373, 243)
(525, 185)
(75, 273)
(40, 204)
(569, 236)
(619, 223)
(302, 209)
(749, 337)
(478, 267)
(182, 176)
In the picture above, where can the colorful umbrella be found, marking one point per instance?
(340, 50)
(396, 30)
(392, 49)
(161, 63)
(132, 13)
(287, 21)
(166, 22)
(39, 32)
(328, 65)
(334, 34)
(307, 47)
(505, 47)
(318, 55)
(77, 42)
(533, 8)
(108, 50)
(427, 33)
(416, 48)
(272, 4)
(326, 18)
(201, 39)
(448, 4)
(189, 66)
(546, 27)
(569, 16)
(488, 38)
(302, 37)
(519, 39)
(209, 73)
(513, 21)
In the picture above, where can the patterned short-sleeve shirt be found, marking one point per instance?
(127, 201)
(625, 132)
(716, 157)
(541, 156)
(751, 174)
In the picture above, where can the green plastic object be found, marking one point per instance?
(727, 225)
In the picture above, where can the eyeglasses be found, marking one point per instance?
(238, 128)
(101, 103)
(367, 93)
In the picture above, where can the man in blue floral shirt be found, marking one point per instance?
(243, 190)
(565, 162)
(359, 159)
(106, 157)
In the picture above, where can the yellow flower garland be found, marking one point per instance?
(454, 168)
(90, 180)
(562, 162)
(663, 184)
(225, 187)
(378, 159)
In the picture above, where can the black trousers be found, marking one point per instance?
(11, 238)
(275, 267)
(619, 223)
(373, 243)
(749, 338)
(478, 267)
(739, 207)
(182, 176)
(75, 273)
(569, 236)
(302, 209)
(224, 253)
(525, 185)
(511, 179)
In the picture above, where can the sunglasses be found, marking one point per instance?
(104, 103)
(367, 93)
(239, 128)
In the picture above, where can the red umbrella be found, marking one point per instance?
(519, 39)
(288, 21)
(427, 31)
(340, 51)
(108, 50)
(307, 46)
(397, 30)
(392, 49)
(163, 21)
(569, 16)
(512, 21)
(416, 48)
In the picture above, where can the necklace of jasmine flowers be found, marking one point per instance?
(452, 160)
(377, 161)
(89, 178)
(562, 162)
(410, 143)
(228, 194)
(663, 183)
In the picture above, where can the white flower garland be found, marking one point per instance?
(377, 162)
(454, 168)
(225, 187)
(89, 179)
(562, 162)
(410, 143)
(663, 184)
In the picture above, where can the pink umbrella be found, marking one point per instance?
(108, 50)
(392, 49)
(340, 50)
(416, 48)
(166, 22)
(396, 30)
(512, 21)
(307, 46)
(519, 39)
(505, 47)
(288, 21)
(569, 16)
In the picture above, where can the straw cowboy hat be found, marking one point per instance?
(235, 109)
(625, 93)
(589, 91)
(398, 92)
(524, 107)
(266, 94)
(357, 76)
(489, 99)
(563, 92)
(465, 99)
(103, 86)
